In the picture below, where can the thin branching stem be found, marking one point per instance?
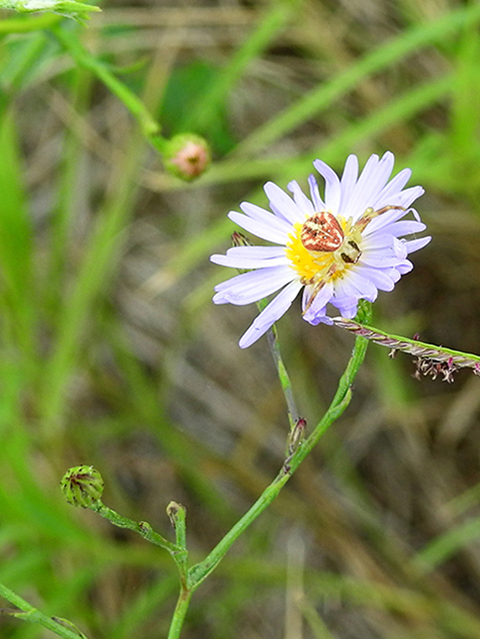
(338, 405)
(414, 347)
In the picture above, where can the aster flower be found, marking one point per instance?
(339, 249)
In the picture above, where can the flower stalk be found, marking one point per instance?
(422, 350)
(83, 58)
(82, 486)
(199, 572)
(293, 417)
(142, 528)
(177, 514)
(186, 155)
(297, 450)
(60, 626)
(240, 240)
(340, 402)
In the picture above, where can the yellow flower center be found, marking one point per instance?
(313, 266)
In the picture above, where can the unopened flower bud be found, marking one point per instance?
(173, 511)
(82, 486)
(187, 156)
(296, 435)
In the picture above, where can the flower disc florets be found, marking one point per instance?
(339, 249)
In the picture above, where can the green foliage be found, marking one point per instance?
(70, 8)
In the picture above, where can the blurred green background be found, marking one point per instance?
(112, 353)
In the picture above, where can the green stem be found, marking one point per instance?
(338, 405)
(29, 613)
(274, 345)
(272, 337)
(191, 578)
(178, 514)
(180, 612)
(199, 572)
(132, 102)
(24, 25)
(142, 528)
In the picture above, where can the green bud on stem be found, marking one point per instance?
(82, 486)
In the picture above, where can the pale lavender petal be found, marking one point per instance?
(350, 173)
(265, 217)
(394, 187)
(259, 229)
(281, 204)
(257, 251)
(402, 198)
(253, 285)
(384, 169)
(332, 185)
(318, 203)
(320, 313)
(377, 241)
(372, 181)
(383, 220)
(321, 316)
(414, 212)
(404, 267)
(405, 228)
(345, 303)
(272, 312)
(356, 285)
(380, 278)
(408, 196)
(303, 203)
(318, 303)
(415, 245)
(378, 260)
(347, 307)
(399, 248)
(349, 178)
(361, 196)
(344, 288)
(237, 261)
(307, 292)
